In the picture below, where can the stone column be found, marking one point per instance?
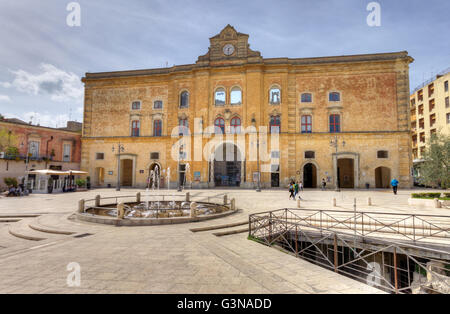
(193, 209)
(81, 206)
(138, 197)
(225, 200)
(120, 210)
(97, 200)
(187, 197)
(233, 204)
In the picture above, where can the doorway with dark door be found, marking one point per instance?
(309, 176)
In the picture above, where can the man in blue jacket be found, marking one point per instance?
(394, 184)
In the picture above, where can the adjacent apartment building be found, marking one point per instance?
(430, 112)
(25, 146)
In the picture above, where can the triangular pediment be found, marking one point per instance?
(229, 45)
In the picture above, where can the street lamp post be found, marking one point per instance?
(334, 142)
(180, 152)
(120, 149)
(258, 188)
(25, 181)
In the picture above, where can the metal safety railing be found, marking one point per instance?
(410, 227)
(390, 265)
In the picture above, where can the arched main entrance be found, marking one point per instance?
(227, 165)
(126, 172)
(346, 173)
(309, 176)
(382, 177)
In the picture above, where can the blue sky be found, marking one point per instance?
(42, 59)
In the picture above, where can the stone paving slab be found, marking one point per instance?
(170, 259)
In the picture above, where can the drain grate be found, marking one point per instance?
(82, 235)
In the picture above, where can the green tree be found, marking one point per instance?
(7, 139)
(435, 169)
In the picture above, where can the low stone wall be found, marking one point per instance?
(148, 221)
(420, 202)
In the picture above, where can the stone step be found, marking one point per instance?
(22, 230)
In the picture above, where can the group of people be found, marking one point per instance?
(16, 191)
(294, 189)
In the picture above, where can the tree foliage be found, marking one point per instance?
(7, 140)
(435, 169)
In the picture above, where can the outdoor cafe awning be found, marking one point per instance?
(49, 172)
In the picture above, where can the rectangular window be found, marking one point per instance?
(135, 127)
(157, 128)
(136, 105)
(183, 127)
(310, 154)
(33, 149)
(154, 155)
(99, 156)
(66, 152)
(306, 124)
(306, 97)
(382, 154)
(275, 154)
(334, 96)
(335, 123)
(446, 86)
(447, 102)
(448, 118)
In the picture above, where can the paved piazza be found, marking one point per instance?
(169, 258)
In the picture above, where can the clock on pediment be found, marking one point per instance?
(228, 49)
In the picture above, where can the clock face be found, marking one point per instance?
(228, 49)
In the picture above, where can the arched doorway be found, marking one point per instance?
(126, 172)
(309, 176)
(382, 177)
(346, 173)
(227, 165)
(99, 176)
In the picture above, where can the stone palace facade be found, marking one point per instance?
(344, 119)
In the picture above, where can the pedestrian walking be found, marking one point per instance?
(324, 184)
(291, 191)
(300, 186)
(394, 184)
(295, 189)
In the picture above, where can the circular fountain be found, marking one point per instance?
(139, 210)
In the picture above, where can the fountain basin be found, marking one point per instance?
(153, 213)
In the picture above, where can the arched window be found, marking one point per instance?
(184, 100)
(220, 97)
(135, 127)
(334, 96)
(335, 123)
(275, 124)
(236, 96)
(183, 127)
(157, 128)
(306, 124)
(136, 105)
(275, 96)
(219, 126)
(158, 104)
(306, 97)
(235, 125)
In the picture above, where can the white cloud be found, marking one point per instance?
(5, 98)
(60, 85)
